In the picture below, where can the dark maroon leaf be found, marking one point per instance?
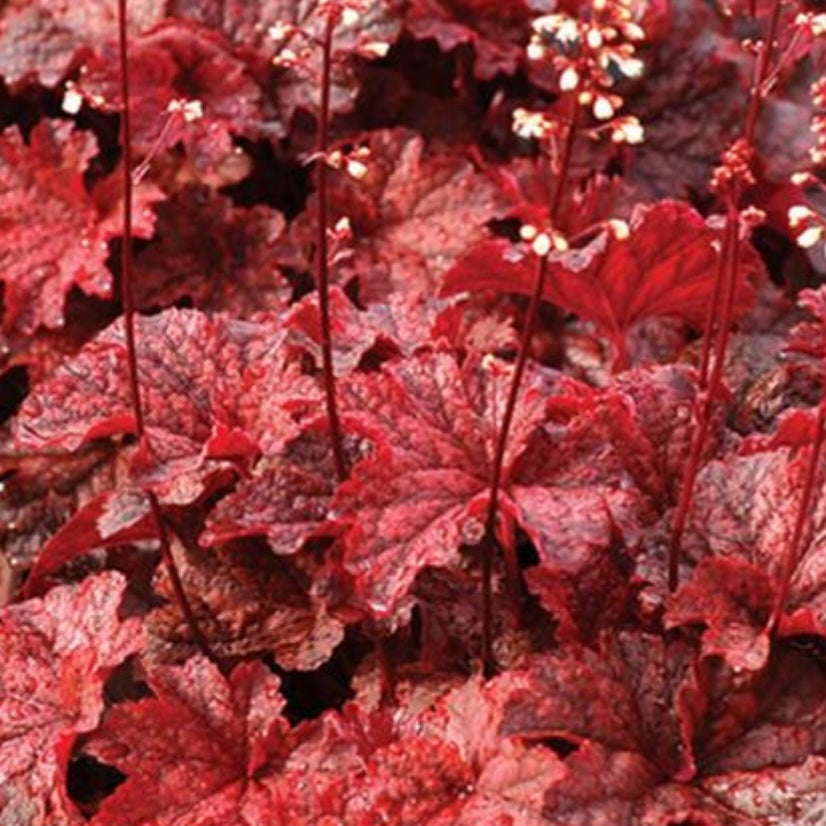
(413, 214)
(217, 256)
(63, 242)
(203, 379)
(497, 31)
(187, 88)
(57, 654)
(200, 743)
(245, 601)
(40, 40)
(665, 267)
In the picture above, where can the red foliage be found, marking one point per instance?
(226, 619)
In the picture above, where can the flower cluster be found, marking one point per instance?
(295, 44)
(734, 169)
(809, 228)
(591, 55)
(818, 124)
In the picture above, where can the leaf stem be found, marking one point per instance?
(489, 542)
(322, 264)
(127, 299)
(718, 320)
(709, 387)
(126, 258)
(803, 513)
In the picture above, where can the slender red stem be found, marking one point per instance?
(489, 542)
(803, 514)
(714, 307)
(706, 395)
(175, 579)
(127, 280)
(126, 248)
(322, 264)
(718, 320)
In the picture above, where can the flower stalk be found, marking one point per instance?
(322, 267)
(729, 180)
(127, 299)
(587, 56)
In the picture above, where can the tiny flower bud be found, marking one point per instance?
(527, 232)
(375, 49)
(628, 130)
(619, 229)
(542, 244)
(603, 110)
(798, 214)
(631, 67)
(356, 169)
(594, 38)
(568, 32)
(72, 100)
(809, 237)
(535, 49)
(802, 178)
(569, 79)
(349, 17)
(286, 58)
(633, 31)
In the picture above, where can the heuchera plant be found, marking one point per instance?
(412, 413)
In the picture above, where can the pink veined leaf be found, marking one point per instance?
(199, 743)
(245, 602)
(650, 745)
(745, 508)
(404, 324)
(351, 331)
(422, 493)
(186, 87)
(57, 654)
(210, 389)
(415, 211)
(592, 481)
(63, 243)
(497, 31)
(41, 40)
(286, 499)
(115, 518)
(665, 267)
(731, 599)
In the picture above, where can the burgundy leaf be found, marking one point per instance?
(199, 743)
(187, 88)
(40, 40)
(412, 215)
(217, 256)
(422, 494)
(202, 380)
(745, 507)
(63, 242)
(665, 267)
(57, 654)
(732, 599)
(497, 31)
